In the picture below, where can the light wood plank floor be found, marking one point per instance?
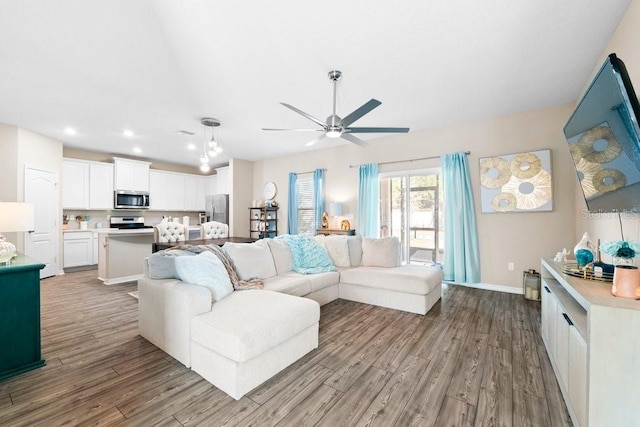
(476, 359)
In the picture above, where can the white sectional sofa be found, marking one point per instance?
(242, 340)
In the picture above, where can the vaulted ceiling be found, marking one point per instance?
(157, 67)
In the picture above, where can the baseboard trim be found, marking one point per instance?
(489, 287)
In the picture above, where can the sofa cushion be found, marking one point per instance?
(411, 279)
(248, 323)
(251, 259)
(383, 252)
(355, 250)
(289, 283)
(205, 270)
(323, 280)
(162, 263)
(281, 253)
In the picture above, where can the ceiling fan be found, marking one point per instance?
(337, 127)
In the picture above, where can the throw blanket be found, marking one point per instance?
(254, 283)
(308, 256)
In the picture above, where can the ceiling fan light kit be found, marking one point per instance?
(337, 127)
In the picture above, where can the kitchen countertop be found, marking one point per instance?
(77, 230)
(119, 232)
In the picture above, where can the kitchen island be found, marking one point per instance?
(122, 254)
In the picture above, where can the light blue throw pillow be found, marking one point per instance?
(205, 270)
(308, 256)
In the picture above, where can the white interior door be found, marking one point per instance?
(40, 188)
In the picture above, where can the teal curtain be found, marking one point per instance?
(368, 200)
(318, 196)
(292, 209)
(462, 257)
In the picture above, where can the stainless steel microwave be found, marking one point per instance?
(130, 199)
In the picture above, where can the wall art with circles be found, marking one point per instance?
(516, 182)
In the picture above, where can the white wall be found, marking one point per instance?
(522, 238)
(19, 148)
(624, 43)
(240, 196)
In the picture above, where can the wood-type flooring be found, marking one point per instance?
(476, 359)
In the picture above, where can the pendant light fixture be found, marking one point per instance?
(211, 148)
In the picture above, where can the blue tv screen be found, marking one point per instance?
(603, 137)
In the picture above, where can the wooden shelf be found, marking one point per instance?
(263, 222)
(329, 231)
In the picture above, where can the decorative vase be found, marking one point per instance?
(626, 281)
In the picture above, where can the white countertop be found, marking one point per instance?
(116, 231)
(94, 230)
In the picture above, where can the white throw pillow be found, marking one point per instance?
(355, 250)
(384, 252)
(252, 260)
(205, 270)
(338, 249)
(282, 256)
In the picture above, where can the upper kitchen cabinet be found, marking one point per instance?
(87, 185)
(100, 186)
(131, 175)
(75, 184)
(158, 190)
(222, 175)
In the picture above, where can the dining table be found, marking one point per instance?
(158, 246)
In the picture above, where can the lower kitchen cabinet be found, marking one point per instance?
(79, 249)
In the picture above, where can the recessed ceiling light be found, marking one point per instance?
(128, 133)
(191, 146)
(70, 131)
(137, 150)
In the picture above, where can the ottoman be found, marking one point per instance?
(250, 336)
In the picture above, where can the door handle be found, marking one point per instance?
(547, 289)
(567, 319)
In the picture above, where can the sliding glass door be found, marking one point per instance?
(411, 208)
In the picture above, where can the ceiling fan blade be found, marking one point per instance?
(361, 111)
(376, 130)
(296, 130)
(318, 139)
(354, 139)
(308, 116)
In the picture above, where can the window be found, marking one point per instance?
(411, 208)
(306, 217)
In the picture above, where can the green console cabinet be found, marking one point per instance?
(20, 316)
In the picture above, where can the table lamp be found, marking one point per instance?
(14, 217)
(335, 209)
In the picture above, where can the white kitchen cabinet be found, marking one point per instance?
(75, 184)
(100, 186)
(78, 248)
(596, 346)
(201, 193)
(131, 175)
(175, 192)
(191, 192)
(96, 251)
(158, 190)
(222, 180)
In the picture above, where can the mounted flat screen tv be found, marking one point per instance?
(603, 137)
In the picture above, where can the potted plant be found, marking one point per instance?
(626, 276)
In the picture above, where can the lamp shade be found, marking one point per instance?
(16, 216)
(335, 209)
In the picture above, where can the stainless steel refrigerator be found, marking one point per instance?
(217, 208)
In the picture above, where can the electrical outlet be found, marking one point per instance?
(511, 266)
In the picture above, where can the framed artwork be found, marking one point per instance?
(516, 182)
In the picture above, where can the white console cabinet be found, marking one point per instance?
(593, 341)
